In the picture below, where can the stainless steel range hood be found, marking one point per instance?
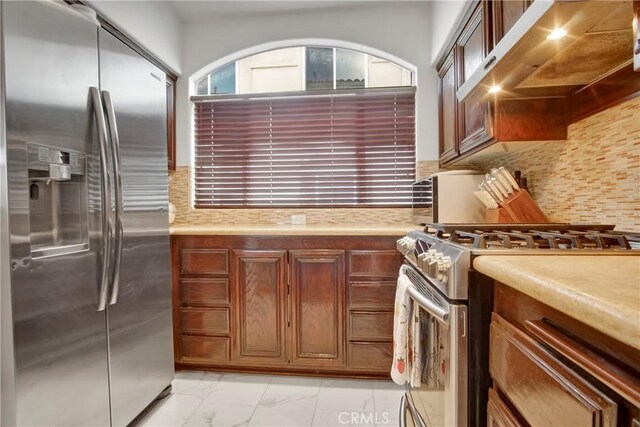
(529, 62)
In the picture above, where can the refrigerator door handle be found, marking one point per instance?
(107, 223)
(117, 176)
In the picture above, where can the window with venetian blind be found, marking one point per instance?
(336, 149)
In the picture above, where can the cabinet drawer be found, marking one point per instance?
(204, 261)
(204, 291)
(543, 389)
(204, 349)
(498, 413)
(370, 326)
(211, 321)
(374, 263)
(372, 294)
(371, 355)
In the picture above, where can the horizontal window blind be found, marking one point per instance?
(355, 149)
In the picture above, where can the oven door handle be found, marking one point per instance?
(440, 313)
(407, 406)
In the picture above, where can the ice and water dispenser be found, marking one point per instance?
(58, 205)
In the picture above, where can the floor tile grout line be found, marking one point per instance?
(255, 408)
(315, 407)
(203, 398)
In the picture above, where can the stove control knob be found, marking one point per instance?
(444, 263)
(422, 261)
(404, 244)
(409, 245)
(431, 269)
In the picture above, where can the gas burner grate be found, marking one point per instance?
(535, 236)
(555, 240)
(519, 240)
(596, 240)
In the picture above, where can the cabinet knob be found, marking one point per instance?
(491, 61)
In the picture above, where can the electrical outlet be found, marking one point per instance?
(298, 219)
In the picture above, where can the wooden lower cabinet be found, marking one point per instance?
(260, 306)
(551, 370)
(321, 305)
(317, 307)
(543, 389)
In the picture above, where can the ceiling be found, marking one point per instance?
(190, 10)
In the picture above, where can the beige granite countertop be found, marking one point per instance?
(600, 291)
(294, 230)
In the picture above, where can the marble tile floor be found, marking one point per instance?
(212, 399)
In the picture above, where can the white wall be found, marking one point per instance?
(401, 31)
(445, 17)
(152, 24)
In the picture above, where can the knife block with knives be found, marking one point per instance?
(506, 202)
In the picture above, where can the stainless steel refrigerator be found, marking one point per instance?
(86, 297)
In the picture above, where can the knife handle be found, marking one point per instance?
(509, 178)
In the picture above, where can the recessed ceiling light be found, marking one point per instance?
(556, 34)
(495, 89)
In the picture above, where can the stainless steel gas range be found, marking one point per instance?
(456, 303)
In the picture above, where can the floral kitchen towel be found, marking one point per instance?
(400, 329)
(414, 346)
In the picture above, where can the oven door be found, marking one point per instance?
(441, 400)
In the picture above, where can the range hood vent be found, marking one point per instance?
(528, 63)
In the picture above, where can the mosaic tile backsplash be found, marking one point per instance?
(593, 176)
(179, 191)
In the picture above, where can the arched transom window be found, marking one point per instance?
(303, 68)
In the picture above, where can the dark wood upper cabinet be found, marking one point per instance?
(474, 119)
(447, 108)
(467, 128)
(317, 302)
(261, 305)
(505, 13)
(171, 123)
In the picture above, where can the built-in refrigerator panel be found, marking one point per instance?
(139, 316)
(60, 338)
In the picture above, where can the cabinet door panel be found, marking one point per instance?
(260, 304)
(447, 106)
(317, 307)
(544, 390)
(474, 124)
(505, 14)
(472, 50)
